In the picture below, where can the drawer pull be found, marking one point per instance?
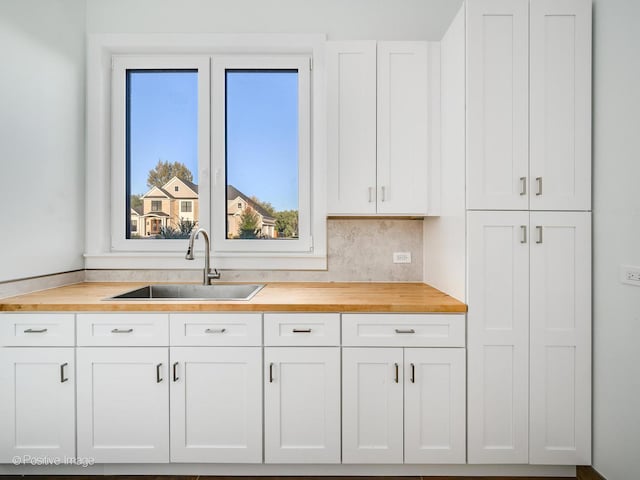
(413, 373)
(301, 330)
(409, 330)
(35, 330)
(62, 376)
(215, 330)
(397, 378)
(119, 330)
(175, 372)
(271, 372)
(158, 377)
(539, 182)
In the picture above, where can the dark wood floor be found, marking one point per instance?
(583, 473)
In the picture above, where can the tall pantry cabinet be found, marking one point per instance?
(528, 201)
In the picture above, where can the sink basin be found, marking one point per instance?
(190, 292)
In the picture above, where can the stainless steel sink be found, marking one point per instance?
(191, 292)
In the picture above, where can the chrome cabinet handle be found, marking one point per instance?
(35, 330)
(523, 185)
(523, 228)
(409, 330)
(413, 373)
(175, 372)
(119, 330)
(301, 330)
(158, 377)
(383, 191)
(539, 181)
(539, 230)
(215, 330)
(62, 377)
(271, 372)
(397, 368)
(370, 194)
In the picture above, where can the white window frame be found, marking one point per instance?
(103, 249)
(122, 63)
(219, 65)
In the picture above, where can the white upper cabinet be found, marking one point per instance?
(378, 128)
(560, 88)
(351, 110)
(403, 128)
(560, 413)
(528, 104)
(497, 104)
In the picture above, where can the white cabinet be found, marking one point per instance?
(123, 404)
(529, 105)
(497, 104)
(37, 399)
(372, 405)
(403, 405)
(378, 128)
(498, 337)
(560, 411)
(302, 405)
(216, 404)
(529, 337)
(560, 99)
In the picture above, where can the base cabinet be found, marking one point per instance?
(302, 405)
(37, 399)
(216, 404)
(403, 405)
(123, 404)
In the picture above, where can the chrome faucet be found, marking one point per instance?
(208, 275)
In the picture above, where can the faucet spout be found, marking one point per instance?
(208, 275)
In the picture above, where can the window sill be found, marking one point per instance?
(222, 261)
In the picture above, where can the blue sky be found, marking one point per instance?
(262, 130)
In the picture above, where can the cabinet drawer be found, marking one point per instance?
(216, 329)
(302, 329)
(123, 329)
(37, 329)
(397, 330)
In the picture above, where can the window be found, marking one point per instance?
(261, 108)
(153, 101)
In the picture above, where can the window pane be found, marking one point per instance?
(262, 154)
(162, 153)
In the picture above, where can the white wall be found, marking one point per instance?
(616, 219)
(339, 19)
(41, 137)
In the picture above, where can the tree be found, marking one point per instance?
(165, 171)
(287, 223)
(183, 230)
(249, 223)
(136, 201)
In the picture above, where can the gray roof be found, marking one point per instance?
(233, 192)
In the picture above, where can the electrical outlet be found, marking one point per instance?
(630, 275)
(401, 257)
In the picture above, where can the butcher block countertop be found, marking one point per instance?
(275, 297)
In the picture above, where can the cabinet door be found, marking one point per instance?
(497, 104)
(403, 128)
(372, 380)
(498, 336)
(560, 104)
(302, 405)
(560, 417)
(37, 395)
(123, 404)
(351, 127)
(434, 405)
(216, 404)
